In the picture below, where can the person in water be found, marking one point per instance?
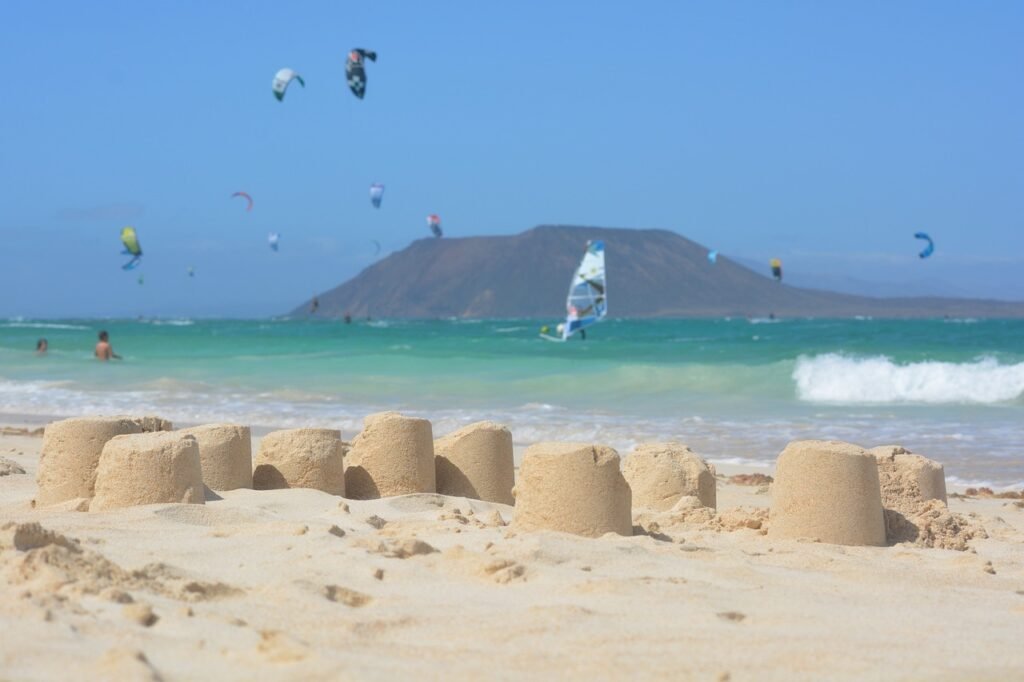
(42, 346)
(104, 351)
(314, 306)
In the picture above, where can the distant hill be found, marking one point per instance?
(651, 273)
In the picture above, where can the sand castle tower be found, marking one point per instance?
(828, 491)
(660, 473)
(572, 487)
(148, 468)
(908, 480)
(225, 451)
(393, 455)
(70, 454)
(301, 458)
(476, 462)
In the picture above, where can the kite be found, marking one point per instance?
(776, 269)
(376, 245)
(272, 239)
(191, 271)
(356, 72)
(713, 256)
(434, 223)
(929, 248)
(281, 80)
(376, 194)
(131, 247)
(244, 195)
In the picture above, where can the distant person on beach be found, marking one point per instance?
(41, 347)
(104, 351)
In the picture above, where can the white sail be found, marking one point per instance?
(587, 303)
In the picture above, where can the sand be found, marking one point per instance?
(301, 584)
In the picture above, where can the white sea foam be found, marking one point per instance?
(172, 323)
(41, 325)
(835, 378)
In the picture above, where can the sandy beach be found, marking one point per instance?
(301, 584)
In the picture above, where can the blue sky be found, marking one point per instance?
(822, 133)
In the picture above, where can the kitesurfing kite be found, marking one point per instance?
(587, 303)
(191, 271)
(713, 256)
(376, 245)
(142, 280)
(776, 269)
(131, 247)
(281, 81)
(434, 223)
(929, 248)
(272, 239)
(244, 195)
(376, 194)
(356, 72)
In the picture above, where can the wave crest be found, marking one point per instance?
(842, 379)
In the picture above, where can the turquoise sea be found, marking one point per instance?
(735, 390)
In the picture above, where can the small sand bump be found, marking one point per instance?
(346, 596)
(140, 613)
(9, 467)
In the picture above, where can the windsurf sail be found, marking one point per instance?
(587, 303)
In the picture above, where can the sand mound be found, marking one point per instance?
(484, 566)
(931, 524)
(9, 467)
(828, 491)
(301, 458)
(149, 423)
(148, 468)
(476, 462)
(393, 455)
(908, 480)
(225, 453)
(71, 453)
(660, 473)
(572, 487)
(125, 665)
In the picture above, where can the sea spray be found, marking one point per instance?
(838, 378)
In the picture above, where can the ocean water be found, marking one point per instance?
(735, 390)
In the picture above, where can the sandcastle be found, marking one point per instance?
(659, 474)
(70, 454)
(393, 455)
(148, 468)
(301, 458)
(908, 480)
(476, 462)
(827, 491)
(572, 487)
(225, 451)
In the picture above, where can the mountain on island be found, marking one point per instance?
(651, 273)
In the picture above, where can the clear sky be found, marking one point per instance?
(822, 133)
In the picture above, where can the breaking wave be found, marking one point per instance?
(834, 378)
